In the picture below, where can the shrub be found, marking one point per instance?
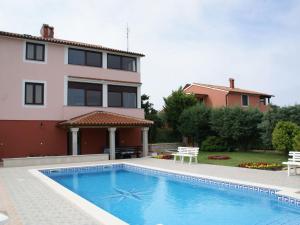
(297, 142)
(213, 144)
(238, 127)
(283, 136)
(273, 116)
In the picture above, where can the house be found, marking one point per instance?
(61, 97)
(220, 96)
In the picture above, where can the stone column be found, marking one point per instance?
(74, 131)
(112, 142)
(145, 141)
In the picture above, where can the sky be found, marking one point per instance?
(256, 42)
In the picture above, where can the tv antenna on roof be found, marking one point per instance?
(127, 37)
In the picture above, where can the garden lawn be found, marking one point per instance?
(241, 157)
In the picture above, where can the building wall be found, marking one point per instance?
(235, 99)
(14, 70)
(43, 138)
(215, 98)
(130, 136)
(31, 138)
(32, 130)
(93, 140)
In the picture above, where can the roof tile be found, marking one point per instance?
(232, 90)
(101, 118)
(66, 42)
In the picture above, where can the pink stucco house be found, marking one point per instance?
(228, 96)
(62, 97)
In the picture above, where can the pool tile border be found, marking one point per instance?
(190, 178)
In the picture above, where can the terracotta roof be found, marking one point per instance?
(105, 119)
(228, 89)
(66, 42)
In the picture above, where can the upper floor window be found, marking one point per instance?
(35, 51)
(84, 94)
(245, 100)
(34, 93)
(84, 57)
(122, 96)
(262, 100)
(121, 62)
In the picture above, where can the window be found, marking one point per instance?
(35, 51)
(114, 61)
(262, 100)
(84, 94)
(34, 93)
(83, 57)
(121, 62)
(245, 100)
(76, 57)
(122, 96)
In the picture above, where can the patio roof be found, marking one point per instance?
(105, 119)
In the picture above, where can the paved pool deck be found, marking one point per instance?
(29, 201)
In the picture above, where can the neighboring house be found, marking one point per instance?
(62, 97)
(219, 96)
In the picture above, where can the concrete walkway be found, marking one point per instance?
(28, 201)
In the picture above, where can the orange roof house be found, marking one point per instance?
(220, 96)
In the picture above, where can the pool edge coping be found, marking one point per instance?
(104, 217)
(99, 214)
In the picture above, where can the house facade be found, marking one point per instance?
(63, 97)
(222, 96)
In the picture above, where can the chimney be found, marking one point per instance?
(231, 82)
(47, 31)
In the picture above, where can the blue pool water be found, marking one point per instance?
(141, 196)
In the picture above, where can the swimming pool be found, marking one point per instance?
(140, 195)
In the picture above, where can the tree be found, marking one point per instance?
(236, 126)
(194, 122)
(297, 142)
(283, 136)
(174, 106)
(151, 114)
(273, 116)
(147, 105)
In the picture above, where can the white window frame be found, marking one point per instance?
(45, 93)
(35, 61)
(247, 100)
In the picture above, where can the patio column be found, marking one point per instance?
(145, 141)
(74, 131)
(112, 141)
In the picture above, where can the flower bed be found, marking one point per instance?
(261, 165)
(219, 157)
(163, 156)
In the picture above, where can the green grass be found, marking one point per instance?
(241, 157)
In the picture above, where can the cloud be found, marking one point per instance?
(205, 41)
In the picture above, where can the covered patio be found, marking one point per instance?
(107, 122)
